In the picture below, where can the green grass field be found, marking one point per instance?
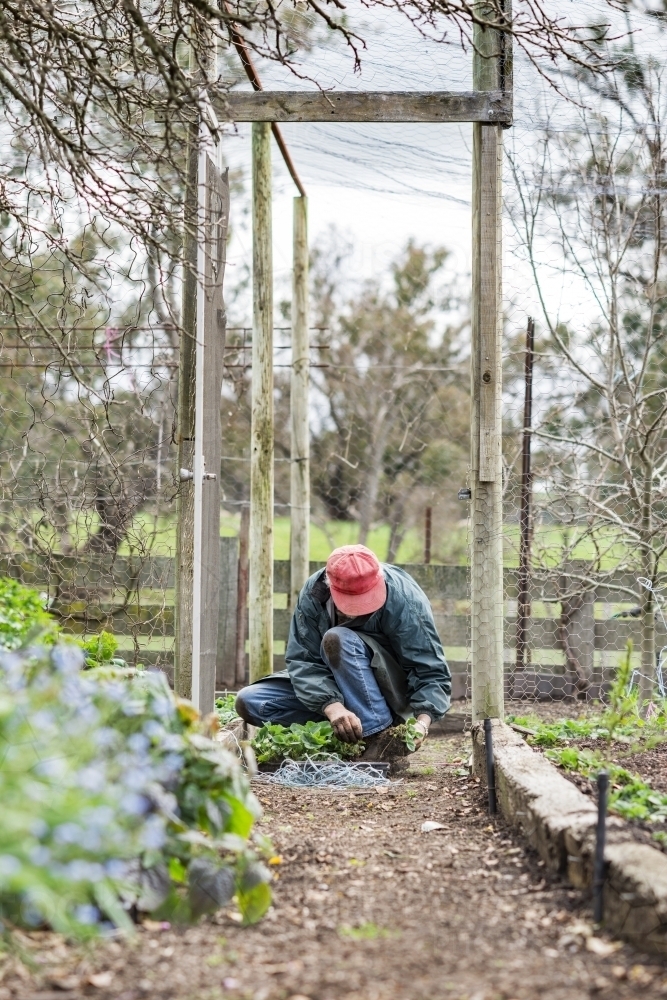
(156, 535)
(159, 535)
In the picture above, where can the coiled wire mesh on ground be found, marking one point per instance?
(332, 773)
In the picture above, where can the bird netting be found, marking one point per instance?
(92, 334)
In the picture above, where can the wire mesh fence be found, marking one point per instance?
(90, 478)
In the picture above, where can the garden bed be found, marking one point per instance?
(636, 762)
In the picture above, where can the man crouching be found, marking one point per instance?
(363, 652)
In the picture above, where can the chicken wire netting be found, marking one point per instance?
(90, 484)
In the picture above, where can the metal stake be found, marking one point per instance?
(490, 770)
(598, 868)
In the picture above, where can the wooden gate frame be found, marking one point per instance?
(489, 107)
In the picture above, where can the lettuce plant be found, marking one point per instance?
(315, 740)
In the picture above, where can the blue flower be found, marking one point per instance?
(9, 865)
(153, 834)
(67, 833)
(87, 914)
(39, 855)
(134, 804)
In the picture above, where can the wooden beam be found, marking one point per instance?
(349, 106)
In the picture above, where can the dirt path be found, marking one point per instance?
(367, 907)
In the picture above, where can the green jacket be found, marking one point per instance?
(408, 657)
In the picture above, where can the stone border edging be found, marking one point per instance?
(559, 822)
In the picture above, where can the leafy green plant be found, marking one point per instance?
(116, 798)
(622, 702)
(226, 709)
(630, 796)
(100, 651)
(23, 615)
(407, 732)
(315, 740)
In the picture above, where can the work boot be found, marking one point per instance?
(386, 745)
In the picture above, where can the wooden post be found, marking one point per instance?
(211, 332)
(428, 532)
(226, 662)
(525, 522)
(185, 429)
(261, 435)
(490, 72)
(300, 431)
(242, 597)
(199, 443)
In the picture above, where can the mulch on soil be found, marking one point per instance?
(367, 907)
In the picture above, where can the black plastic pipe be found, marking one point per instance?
(600, 836)
(490, 769)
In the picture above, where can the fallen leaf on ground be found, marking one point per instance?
(430, 825)
(639, 974)
(581, 928)
(601, 947)
(65, 983)
(101, 979)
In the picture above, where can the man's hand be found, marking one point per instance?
(423, 722)
(344, 723)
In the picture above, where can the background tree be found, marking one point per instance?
(598, 195)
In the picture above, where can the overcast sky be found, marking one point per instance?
(381, 185)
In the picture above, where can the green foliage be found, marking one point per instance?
(22, 614)
(573, 759)
(549, 734)
(99, 651)
(315, 740)
(115, 797)
(620, 720)
(408, 734)
(24, 618)
(630, 796)
(622, 702)
(226, 709)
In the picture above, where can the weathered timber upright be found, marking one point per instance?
(300, 435)
(211, 330)
(242, 597)
(198, 430)
(489, 74)
(185, 429)
(225, 676)
(260, 630)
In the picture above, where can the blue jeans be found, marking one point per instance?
(349, 659)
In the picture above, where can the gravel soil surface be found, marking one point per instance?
(368, 907)
(651, 765)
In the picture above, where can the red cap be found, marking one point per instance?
(356, 581)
